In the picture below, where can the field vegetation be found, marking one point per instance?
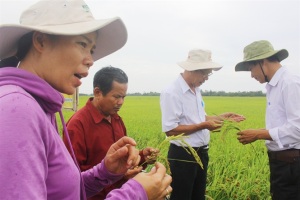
(235, 171)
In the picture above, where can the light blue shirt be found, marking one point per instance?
(283, 111)
(181, 106)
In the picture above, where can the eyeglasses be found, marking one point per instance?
(209, 74)
(206, 74)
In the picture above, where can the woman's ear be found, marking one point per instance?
(38, 40)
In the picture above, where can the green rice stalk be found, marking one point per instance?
(228, 125)
(165, 143)
(190, 149)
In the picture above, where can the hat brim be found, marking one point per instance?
(244, 65)
(112, 35)
(192, 66)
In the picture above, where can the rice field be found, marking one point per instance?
(235, 171)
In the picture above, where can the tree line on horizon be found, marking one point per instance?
(204, 93)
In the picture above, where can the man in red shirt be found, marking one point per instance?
(96, 126)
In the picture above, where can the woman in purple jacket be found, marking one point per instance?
(48, 54)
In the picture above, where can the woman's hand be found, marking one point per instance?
(149, 154)
(156, 183)
(121, 156)
(132, 172)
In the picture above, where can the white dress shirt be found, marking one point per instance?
(181, 106)
(283, 111)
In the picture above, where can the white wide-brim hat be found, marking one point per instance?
(199, 59)
(64, 17)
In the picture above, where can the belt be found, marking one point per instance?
(289, 155)
(204, 147)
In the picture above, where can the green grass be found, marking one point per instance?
(235, 171)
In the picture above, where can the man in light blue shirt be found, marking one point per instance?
(183, 111)
(282, 132)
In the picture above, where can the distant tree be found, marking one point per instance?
(231, 94)
(204, 93)
(83, 94)
(144, 94)
(134, 94)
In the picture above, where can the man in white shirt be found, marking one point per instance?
(183, 111)
(282, 132)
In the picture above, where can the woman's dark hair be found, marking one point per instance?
(104, 78)
(23, 46)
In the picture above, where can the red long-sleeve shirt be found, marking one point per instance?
(91, 136)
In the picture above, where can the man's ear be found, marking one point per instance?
(38, 40)
(97, 92)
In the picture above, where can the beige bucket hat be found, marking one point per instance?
(199, 59)
(64, 17)
(259, 50)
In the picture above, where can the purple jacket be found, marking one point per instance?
(34, 162)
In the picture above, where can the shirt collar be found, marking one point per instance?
(183, 85)
(275, 79)
(96, 115)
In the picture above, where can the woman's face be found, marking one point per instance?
(66, 60)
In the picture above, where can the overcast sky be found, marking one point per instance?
(161, 32)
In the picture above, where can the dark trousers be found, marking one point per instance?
(285, 179)
(188, 178)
